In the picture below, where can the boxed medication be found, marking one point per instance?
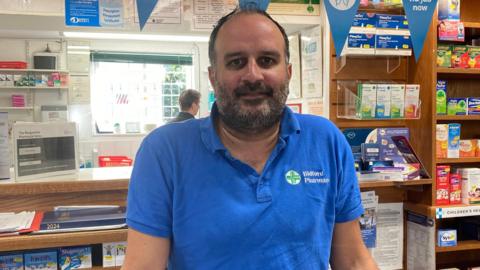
(11, 261)
(393, 45)
(364, 23)
(367, 94)
(444, 55)
(441, 140)
(473, 105)
(120, 250)
(389, 21)
(397, 100)
(470, 185)
(457, 106)
(360, 44)
(453, 149)
(45, 260)
(75, 258)
(447, 238)
(455, 188)
(382, 109)
(460, 56)
(442, 185)
(412, 100)
(108, 251)
(468, 148)
(441, 97)
(473, 56)
(449, 10)
(451, 31)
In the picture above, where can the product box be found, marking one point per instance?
(388, 150)
(360, 44)
(46, 260)
(394, 42)
(453, 149)
(473, 56)
(364, 20)
(75, 258)
(120, 249)
(390, 21)
(9, 80)
(367, 94)
(449, 10)
(444, 55)
(442, 185)
(108, 250)
(451, 31)
(442, 140)
(370, 152)
(412, 100)
(468, 148)
(455, 188)
(11, 261)
(382, 109)
(3, 79)
(457, 106)
(470, 185)
(460, 56)
(473, 104)
(441, 97)
(447, 238)
(397, 100)
(477, 151)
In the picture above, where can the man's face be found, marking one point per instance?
(250, 74)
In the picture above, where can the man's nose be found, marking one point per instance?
(253, 72)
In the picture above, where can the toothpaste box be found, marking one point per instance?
(364, 20)
(468, 148)
(367, 94)
(460, 56)
(397, 100)
(441, 97)
(46, 260)
(390, 21)
(382, 109)
(441, 140)
(11, 261)
(442, 185)
(444, 55)
(473, 105)
(457, 106)
(447, 238)
(455, 188)
(449, 10)
(412, 100)
(453, 148)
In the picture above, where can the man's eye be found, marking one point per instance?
(235, 63)
(266, 62)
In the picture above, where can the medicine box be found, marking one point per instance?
(390, 21)
(442, 185)
(460, 56)
(75, 258)
(11, 261)
(449, 10)
(457, 106)
(444, 55)
(455, 188)
(388, 149)
(120, 249)
(44, 260)
(451, 31)
(441, 97)
(367, 94)
(441, 140)
(453, 149)
(473, 105)
(361, 41)
(108, 251)
(364, 20)
(447, 238)
(473, 56)
(397, 100)
(382, 108)
(393, 42)
(470, 185)
(468, 148)
(412, 100)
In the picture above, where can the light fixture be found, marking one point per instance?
(149, 37)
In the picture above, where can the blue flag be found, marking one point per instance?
(419, 16)
(340, 16)
(144, 9)
(253, 4)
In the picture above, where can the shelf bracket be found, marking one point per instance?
(341, 66)
(391, 67)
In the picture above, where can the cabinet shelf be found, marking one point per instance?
(458, 117)
(32, 70)
(21, 242)
(458, 70)
(471, 24)
(461, 246)
(457, 160)
(399, 183)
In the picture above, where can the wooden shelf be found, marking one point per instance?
(11, 243)
(399, 183)
(348, 123)
(19, 70)
(458, 117)
(16, 108)
(458, 70)
(461, 245)
(34, 87)
(457, 160)
(471, 24)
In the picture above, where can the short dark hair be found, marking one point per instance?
(235, 12)
(187, 98)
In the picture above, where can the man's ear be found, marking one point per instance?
(211, 76)
(289, 71)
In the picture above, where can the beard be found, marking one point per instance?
(251, 115)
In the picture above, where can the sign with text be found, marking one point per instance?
(340, 16)
(419, 14)
(460, 211)
(81, 13)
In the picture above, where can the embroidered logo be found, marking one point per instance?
(293, 177)
(315, 177)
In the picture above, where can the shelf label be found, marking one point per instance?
(340, 16)
(461, 211)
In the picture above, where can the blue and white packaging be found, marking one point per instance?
(449, 10)
(474, 106)
(447, 238)
(453, 147)
(359, 44)
(393, 45)
(364, 23)
(389, 21)
(11, 261)
(388, 150)
(75, 258)
(382, 109)
(46, 260)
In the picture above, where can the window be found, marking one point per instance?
(130, 91)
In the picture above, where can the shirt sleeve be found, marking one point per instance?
(348, 205)
(149, 202)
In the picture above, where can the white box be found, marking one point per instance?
(382, 108)
(121, 248)
(397, 100)
(108, 251)
(367, 94)
(412, 98)
(470, 185)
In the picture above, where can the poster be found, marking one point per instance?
(311, 50)
(295, 85)
(420, 242)
(294, 7)
(79, 89)
(207, 12)
(44, 149)
(4, 147)
(165, 12)
(315, 106)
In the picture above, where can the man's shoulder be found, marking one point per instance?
(183, 130)
(315, 123)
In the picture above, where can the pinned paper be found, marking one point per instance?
(340, 15)
(144, 9)
(253, 4)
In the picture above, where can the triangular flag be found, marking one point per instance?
(253, 4)
(340, 16)
(419, 16)
(144, 9)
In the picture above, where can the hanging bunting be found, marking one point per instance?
(340, 16)
(253, 4)
(144, 9)
(419, 16)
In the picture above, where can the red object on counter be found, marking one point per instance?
(114, 161)
(13, 64)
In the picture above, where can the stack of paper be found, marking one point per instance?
(15, 223)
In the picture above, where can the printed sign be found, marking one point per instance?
(340, 15)
(461, 211)
(81, 13)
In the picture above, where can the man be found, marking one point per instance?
(189, 104)
(253, 186)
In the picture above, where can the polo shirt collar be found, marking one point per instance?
(288, 126)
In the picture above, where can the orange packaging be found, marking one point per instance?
(477, 152)
(468, 148)
(442, 140)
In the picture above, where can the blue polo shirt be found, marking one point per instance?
(219, 213)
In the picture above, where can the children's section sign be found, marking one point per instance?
(419, 14)
(340, 16)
